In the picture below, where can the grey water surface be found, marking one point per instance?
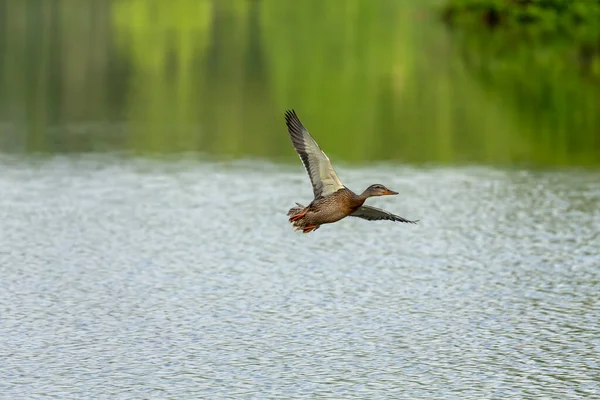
(154, 278)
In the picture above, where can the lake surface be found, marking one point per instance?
(162, 278)
(372, 79)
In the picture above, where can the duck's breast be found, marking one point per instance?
(337, 206)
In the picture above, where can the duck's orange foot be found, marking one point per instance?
(296, 217)
(310, 228)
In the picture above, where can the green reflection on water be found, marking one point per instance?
(373, 80)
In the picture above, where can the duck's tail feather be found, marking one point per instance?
(296, 210)
(296, 215)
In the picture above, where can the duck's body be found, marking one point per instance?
(332, 200)
(326, 210)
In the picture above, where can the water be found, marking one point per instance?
(374, 80)
(157, 278)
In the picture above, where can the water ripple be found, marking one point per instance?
(146, 278)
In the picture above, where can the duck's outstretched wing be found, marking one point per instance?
(376, 214)
(320, 171)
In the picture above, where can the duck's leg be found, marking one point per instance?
(298, 216)
(310, 228)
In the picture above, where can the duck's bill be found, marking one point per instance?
(390, 192)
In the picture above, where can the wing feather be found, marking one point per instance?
(322, 176)
(377, 214)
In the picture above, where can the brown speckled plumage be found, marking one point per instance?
(332, 200)
(326, 210)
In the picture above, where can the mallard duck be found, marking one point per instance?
(333, 201)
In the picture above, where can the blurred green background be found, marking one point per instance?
(373, 80)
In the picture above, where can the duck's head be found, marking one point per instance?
(378, 190)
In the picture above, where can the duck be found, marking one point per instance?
(332, 200)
